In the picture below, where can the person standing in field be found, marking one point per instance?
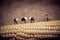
(47, 18)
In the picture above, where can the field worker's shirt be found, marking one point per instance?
(16, 19)
(25, 18)
(30, 18)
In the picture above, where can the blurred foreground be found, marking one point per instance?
(31, 31)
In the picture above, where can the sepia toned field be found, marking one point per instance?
(40, 30)
(31, 31)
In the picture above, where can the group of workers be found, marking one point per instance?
(24, 19)
(31, 19)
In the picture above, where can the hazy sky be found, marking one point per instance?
(37, 8)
